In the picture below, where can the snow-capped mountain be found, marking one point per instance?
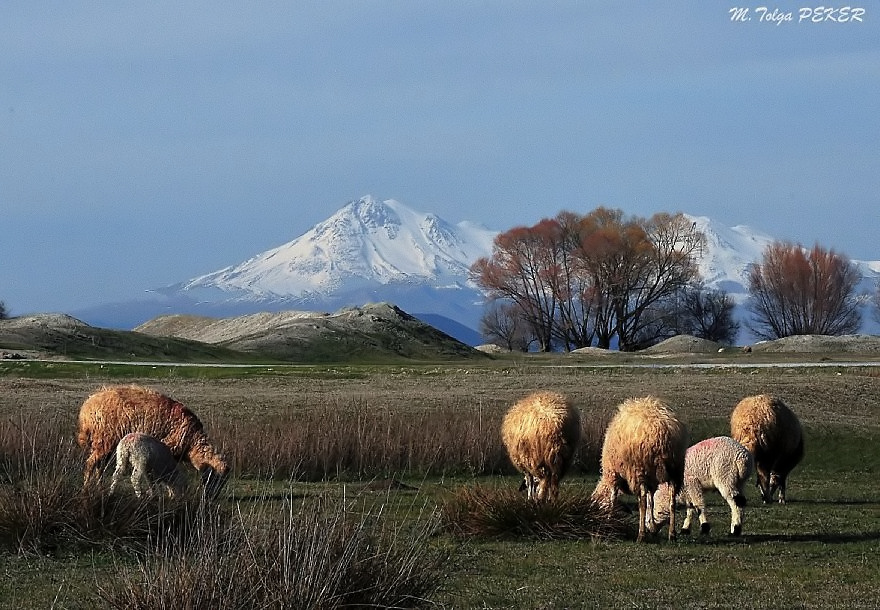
(365, 245)
(368, 251)
(373, 250)
(728, 253)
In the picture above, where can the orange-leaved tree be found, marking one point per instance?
(576, 278)
(795, 291)
(521, 270)
(636, 263)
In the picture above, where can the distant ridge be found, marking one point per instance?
(374, 250)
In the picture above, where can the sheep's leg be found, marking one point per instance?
(643, 511)
(94, 462)
(735, 501)
(118, 473)
(699, 506)
(689, 516)
(673, 493)
(651, 522)
(553, 487)
(777, 481)
(531, 486)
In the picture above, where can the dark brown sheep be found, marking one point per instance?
(772, 433)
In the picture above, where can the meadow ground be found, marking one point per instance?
(341, 433)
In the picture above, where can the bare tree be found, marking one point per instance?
(708, 314)
(523, 269)
(576, 293)
(798, 292)
(4, 313)
(502, 324)
(575, 278)
(636, 264)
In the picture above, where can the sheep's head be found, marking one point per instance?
(604, 495)
(661, 503)
(214, 477)
(211, 465)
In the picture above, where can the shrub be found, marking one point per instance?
(317, 555)
(481, 511)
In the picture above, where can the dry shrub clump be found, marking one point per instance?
(315, 555)
(478, 511)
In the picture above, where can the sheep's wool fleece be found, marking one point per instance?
(110, 413)
(763, 421)
(645, 442)
(540, 423)
(717, 459)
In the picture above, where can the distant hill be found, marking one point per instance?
(372, 333)
(61, 336)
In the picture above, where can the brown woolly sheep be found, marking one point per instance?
(109, 414)
(772, 433)
(644, 447)
(541, 433)
(149, 462)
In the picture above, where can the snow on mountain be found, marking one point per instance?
(365, 244)
(725, 259)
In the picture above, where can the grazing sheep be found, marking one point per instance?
(644, 447)
(112, 412)
(772, 433)
(541, 433)
(719, 463)
(149, 462)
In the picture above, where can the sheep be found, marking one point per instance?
(644, 447)
(772, 433)
(148, 461)
(719, 463)
(541, 433)
(109, 414)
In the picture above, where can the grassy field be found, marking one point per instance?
(403, 440)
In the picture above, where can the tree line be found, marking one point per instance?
(604, 277)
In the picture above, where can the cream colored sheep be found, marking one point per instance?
(772, 433)
(109, 414)
(719, 463)
(149, 462)
(541, 433)
(644, 447)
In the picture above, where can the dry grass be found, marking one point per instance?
(480, 511)
(315, 555)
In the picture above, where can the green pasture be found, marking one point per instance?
(819, 550)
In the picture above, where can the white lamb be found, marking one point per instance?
(719, 463)
(150, 462)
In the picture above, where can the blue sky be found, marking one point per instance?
(144, 145)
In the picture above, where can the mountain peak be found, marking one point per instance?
(366, 245)
(372, 213)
